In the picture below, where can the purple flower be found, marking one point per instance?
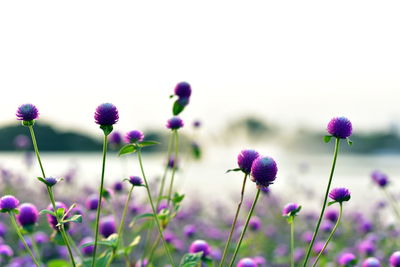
(8, 203)
(298, 254)
(52, 220)
(135, 180)
(50, 181)
(87, 251)
(263, 171)
(196, 124)
(107, 226)
(27, 112)
(379, 178)
(245, 159)
(115, 139)
(246, 262)
(41, 238)
(254, 223)
(340, 127)
(106, 114)
(367, 248)
(21, 141)
(28, 214)
(6, 250)
(92, 202)
(395, 259)
(171, 162)
(290, 209)
(3, 229)
(183, 90)
(371, 262)
(331, 215)
(189, 230)
(118, 186)
(134, 136)
(174, 123)
(347, 260)
(200, 246)
(260, 261)
(340, 194)
(318, 246)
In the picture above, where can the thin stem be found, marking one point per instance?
(36, 149)
(169, 152)
(14, 223)
(174, 167)
(292, 243)
(330, 236)
(154, 209)
(392, 202)
(99, 201)
(234, 221)
(153, 249)
(337, 142)
(35, 248)
(245, 228)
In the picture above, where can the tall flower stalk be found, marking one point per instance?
(340, 128)
(290, 212)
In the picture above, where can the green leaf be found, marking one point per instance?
(105, 194)
(144, 215)
(234, 170)
(349, 142)
(331, 203)
(43, 181)
(133, 244)
(57, 263)
(327, 138)
(176, 199)
(191, 260)
(148, 143)
(196, 151)
(177, 108)
(47, 212)
(60, 212)
(127, 149)
(76, 218)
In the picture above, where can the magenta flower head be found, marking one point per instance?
(174, 123)
(118, 186)
(340, 194)
(255, 223)
(87, 251)
(200, 246)
(245, 159)
(371, 262)
(8, 203)
(331, 215)
(92, 202)
(28, 215)
(134, 136)
(183, 90)
(106, 114)
(107, 226)
(291, 210)
(395, 259)
(27, 113)
(340, 127)
(379, 178)
(6, 250)
(246, 262)
(136, 181)
(263, 171)
(347, 260)
(50, 181)
(115, 139)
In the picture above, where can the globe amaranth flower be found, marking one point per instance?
(6, 250)
(197, 124)
(189, 230)
(118, 186)
(246, 262)
(107, 226)
(92, 202)
(183, 90)
(3, 229)
(134, 136)
(200, 246)
(379, 178)
(50, 181)
(41, 237)
(115, 139)
(172, 162)
(366, 247)
(245, 159)
(347, 260)
(291, 209)
(254, 223)
(87, 251)
(331, 215)
(174, 123)
(106, 114)
(394, 259)
(340, 194)
(28, 214)
(52, 220)
(371, 262)
(263, 171)
(8, 203)
(340, 127)
(318, 246)
(27, 112)
(135, 180)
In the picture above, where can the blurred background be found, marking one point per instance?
(265, 75)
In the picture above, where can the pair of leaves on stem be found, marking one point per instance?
(62, 213)
(132, 148)
(193, 260)
(327, 139)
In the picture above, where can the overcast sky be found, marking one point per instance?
(291, 62)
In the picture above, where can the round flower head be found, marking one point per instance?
(8, 203)
(189, 230)
(21, 141)
(107, 226)
(196, 124)
(395, 259)
(183, 89)
(87, 251)
(371, 262)
(200, 246)
(41, 238)
(367, 247)
(246, 158)
(27, 112)
(340, 194)
(290, 209)
(115, 138)
(347, 260)
(331, 215)
(174, 123)
(3, 229)
(318, 246)
(134, 136)
(118, 186)
(340, 127)
(172, 162)
(247, 262)
(136, 180)
(106, 114)
(263, 171)
(379, 178)
(6, 250)
(28, 214)
(254, 223)
(51, 181)
(52, 220)
(92, 202)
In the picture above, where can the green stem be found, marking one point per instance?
(169, 152)
(121, 225)
(292, 243)
(50, 193)
(330, 236)
(35, 248)
(153, 249)
(100, 198)
(154, 209)
(174, 167)
(245, 228)
(14, 223)
(337, 142)
(234, 221)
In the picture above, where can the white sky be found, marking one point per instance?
(291, 62)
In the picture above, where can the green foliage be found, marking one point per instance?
(191, 260)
